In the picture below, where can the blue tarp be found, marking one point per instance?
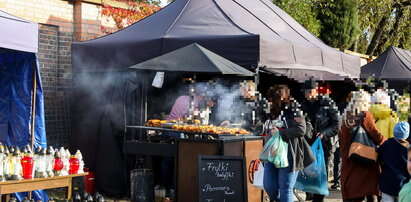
(16, 84)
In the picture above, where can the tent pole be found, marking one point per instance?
(33, 109)
(257, 76)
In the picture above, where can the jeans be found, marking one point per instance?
(337, 167)
(388, 198)
(279, 182)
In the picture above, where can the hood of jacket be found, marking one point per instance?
(380, 111)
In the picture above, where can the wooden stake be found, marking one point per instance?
(33, 109)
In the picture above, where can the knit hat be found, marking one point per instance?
(402, 130)
(381, 97)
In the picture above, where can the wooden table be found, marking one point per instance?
(14, 186)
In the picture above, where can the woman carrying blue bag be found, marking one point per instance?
(291, 126)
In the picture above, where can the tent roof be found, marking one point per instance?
(248, 33)
(192, 58)
(18, 34)
(394, 63)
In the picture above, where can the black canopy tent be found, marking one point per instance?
(249, 33)
(393, 64)
(193, 58)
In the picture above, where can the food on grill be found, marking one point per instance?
(198, 128)
(154, 123)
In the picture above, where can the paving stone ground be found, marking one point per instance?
(335, 196)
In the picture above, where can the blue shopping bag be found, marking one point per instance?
(275, 151)
(313, 179)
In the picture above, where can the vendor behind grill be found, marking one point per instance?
(193, 106)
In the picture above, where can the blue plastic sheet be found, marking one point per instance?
(313, 179)
(16, 84)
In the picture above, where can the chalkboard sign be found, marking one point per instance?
(221, 179)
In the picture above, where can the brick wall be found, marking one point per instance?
(49, 67)
(55, 70)
(61, 22)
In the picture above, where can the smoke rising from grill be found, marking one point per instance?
(227, 97)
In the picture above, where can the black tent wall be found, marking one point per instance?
(97, 113)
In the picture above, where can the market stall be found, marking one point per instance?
(21, 101)
(22, 94)
(193, 135)
(255, 35)
(27, 164)
(393, 64)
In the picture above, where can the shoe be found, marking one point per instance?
(335, 187)
(309, 197)
(297, 197)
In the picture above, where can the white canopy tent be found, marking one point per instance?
(18, 34)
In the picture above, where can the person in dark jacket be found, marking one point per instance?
(279, 182)
(393, 158)
(324, 116)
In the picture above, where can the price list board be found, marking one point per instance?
(221, 179)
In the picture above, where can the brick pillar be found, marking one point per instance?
(77, 20)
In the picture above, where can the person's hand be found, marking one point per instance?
(210, 103)
(320, 135)
(274, 130)
(225, 123)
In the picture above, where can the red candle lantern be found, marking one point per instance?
(58, 164)
(27, 165)
(74, 165)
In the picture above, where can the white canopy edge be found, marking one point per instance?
(18, 34)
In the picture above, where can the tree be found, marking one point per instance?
(303, 11)
(339, 21)
(384, 23)
(135, 10)
(380, 23)
(396, 29)
(380, 29)
(393, 32)
(405, 36)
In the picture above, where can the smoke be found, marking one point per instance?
(98, 96)
(105, 93)
(228, 105)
